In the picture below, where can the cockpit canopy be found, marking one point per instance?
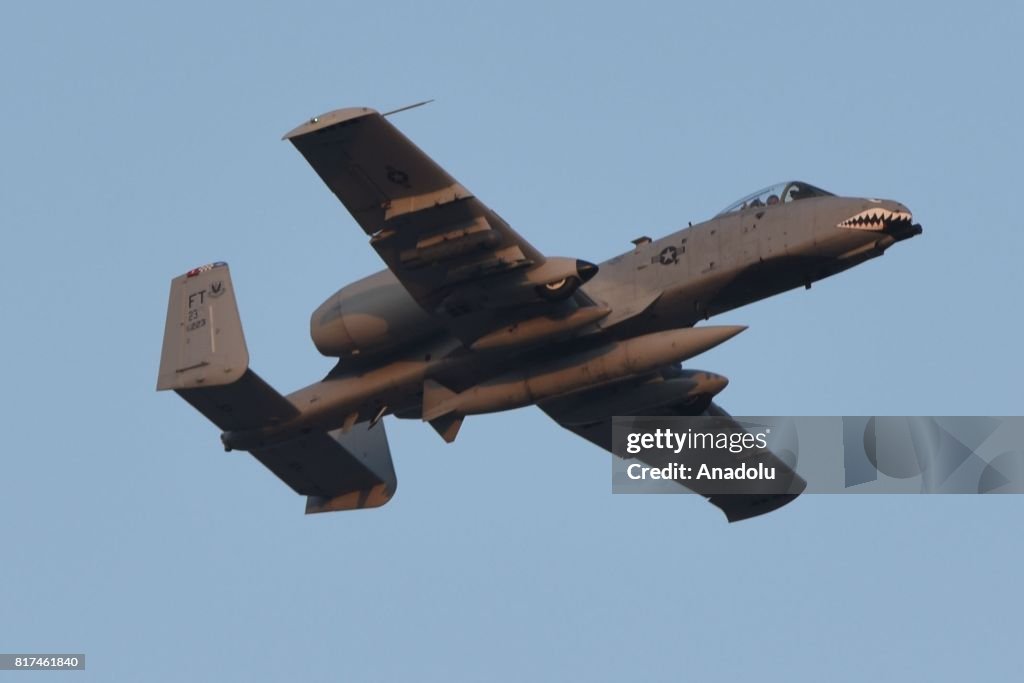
(780, 193)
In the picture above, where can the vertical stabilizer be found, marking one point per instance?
(203, 341)
(204, 357)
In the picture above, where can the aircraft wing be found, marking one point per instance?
(441, 242)
(736, 506)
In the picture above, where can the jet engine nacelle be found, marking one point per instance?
(372, 315)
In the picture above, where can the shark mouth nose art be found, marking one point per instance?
(877, 219)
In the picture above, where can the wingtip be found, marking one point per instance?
(331, 118)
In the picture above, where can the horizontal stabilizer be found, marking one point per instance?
(336, 471)
(248, 403)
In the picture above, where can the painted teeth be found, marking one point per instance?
(875, 219)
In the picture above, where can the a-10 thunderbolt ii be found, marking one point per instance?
(470, 318)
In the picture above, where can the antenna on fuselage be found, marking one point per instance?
(407, 108)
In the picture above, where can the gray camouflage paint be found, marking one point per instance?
(470, 318)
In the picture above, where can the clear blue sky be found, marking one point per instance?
(142, 141)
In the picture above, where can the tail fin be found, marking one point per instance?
(206, 362)
(205, 359)
(203, 341)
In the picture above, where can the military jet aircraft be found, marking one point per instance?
(470, 318)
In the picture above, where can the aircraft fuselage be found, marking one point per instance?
(673, 282)
(742, 257)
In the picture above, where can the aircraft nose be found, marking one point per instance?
(878, 215)
(901, 224)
